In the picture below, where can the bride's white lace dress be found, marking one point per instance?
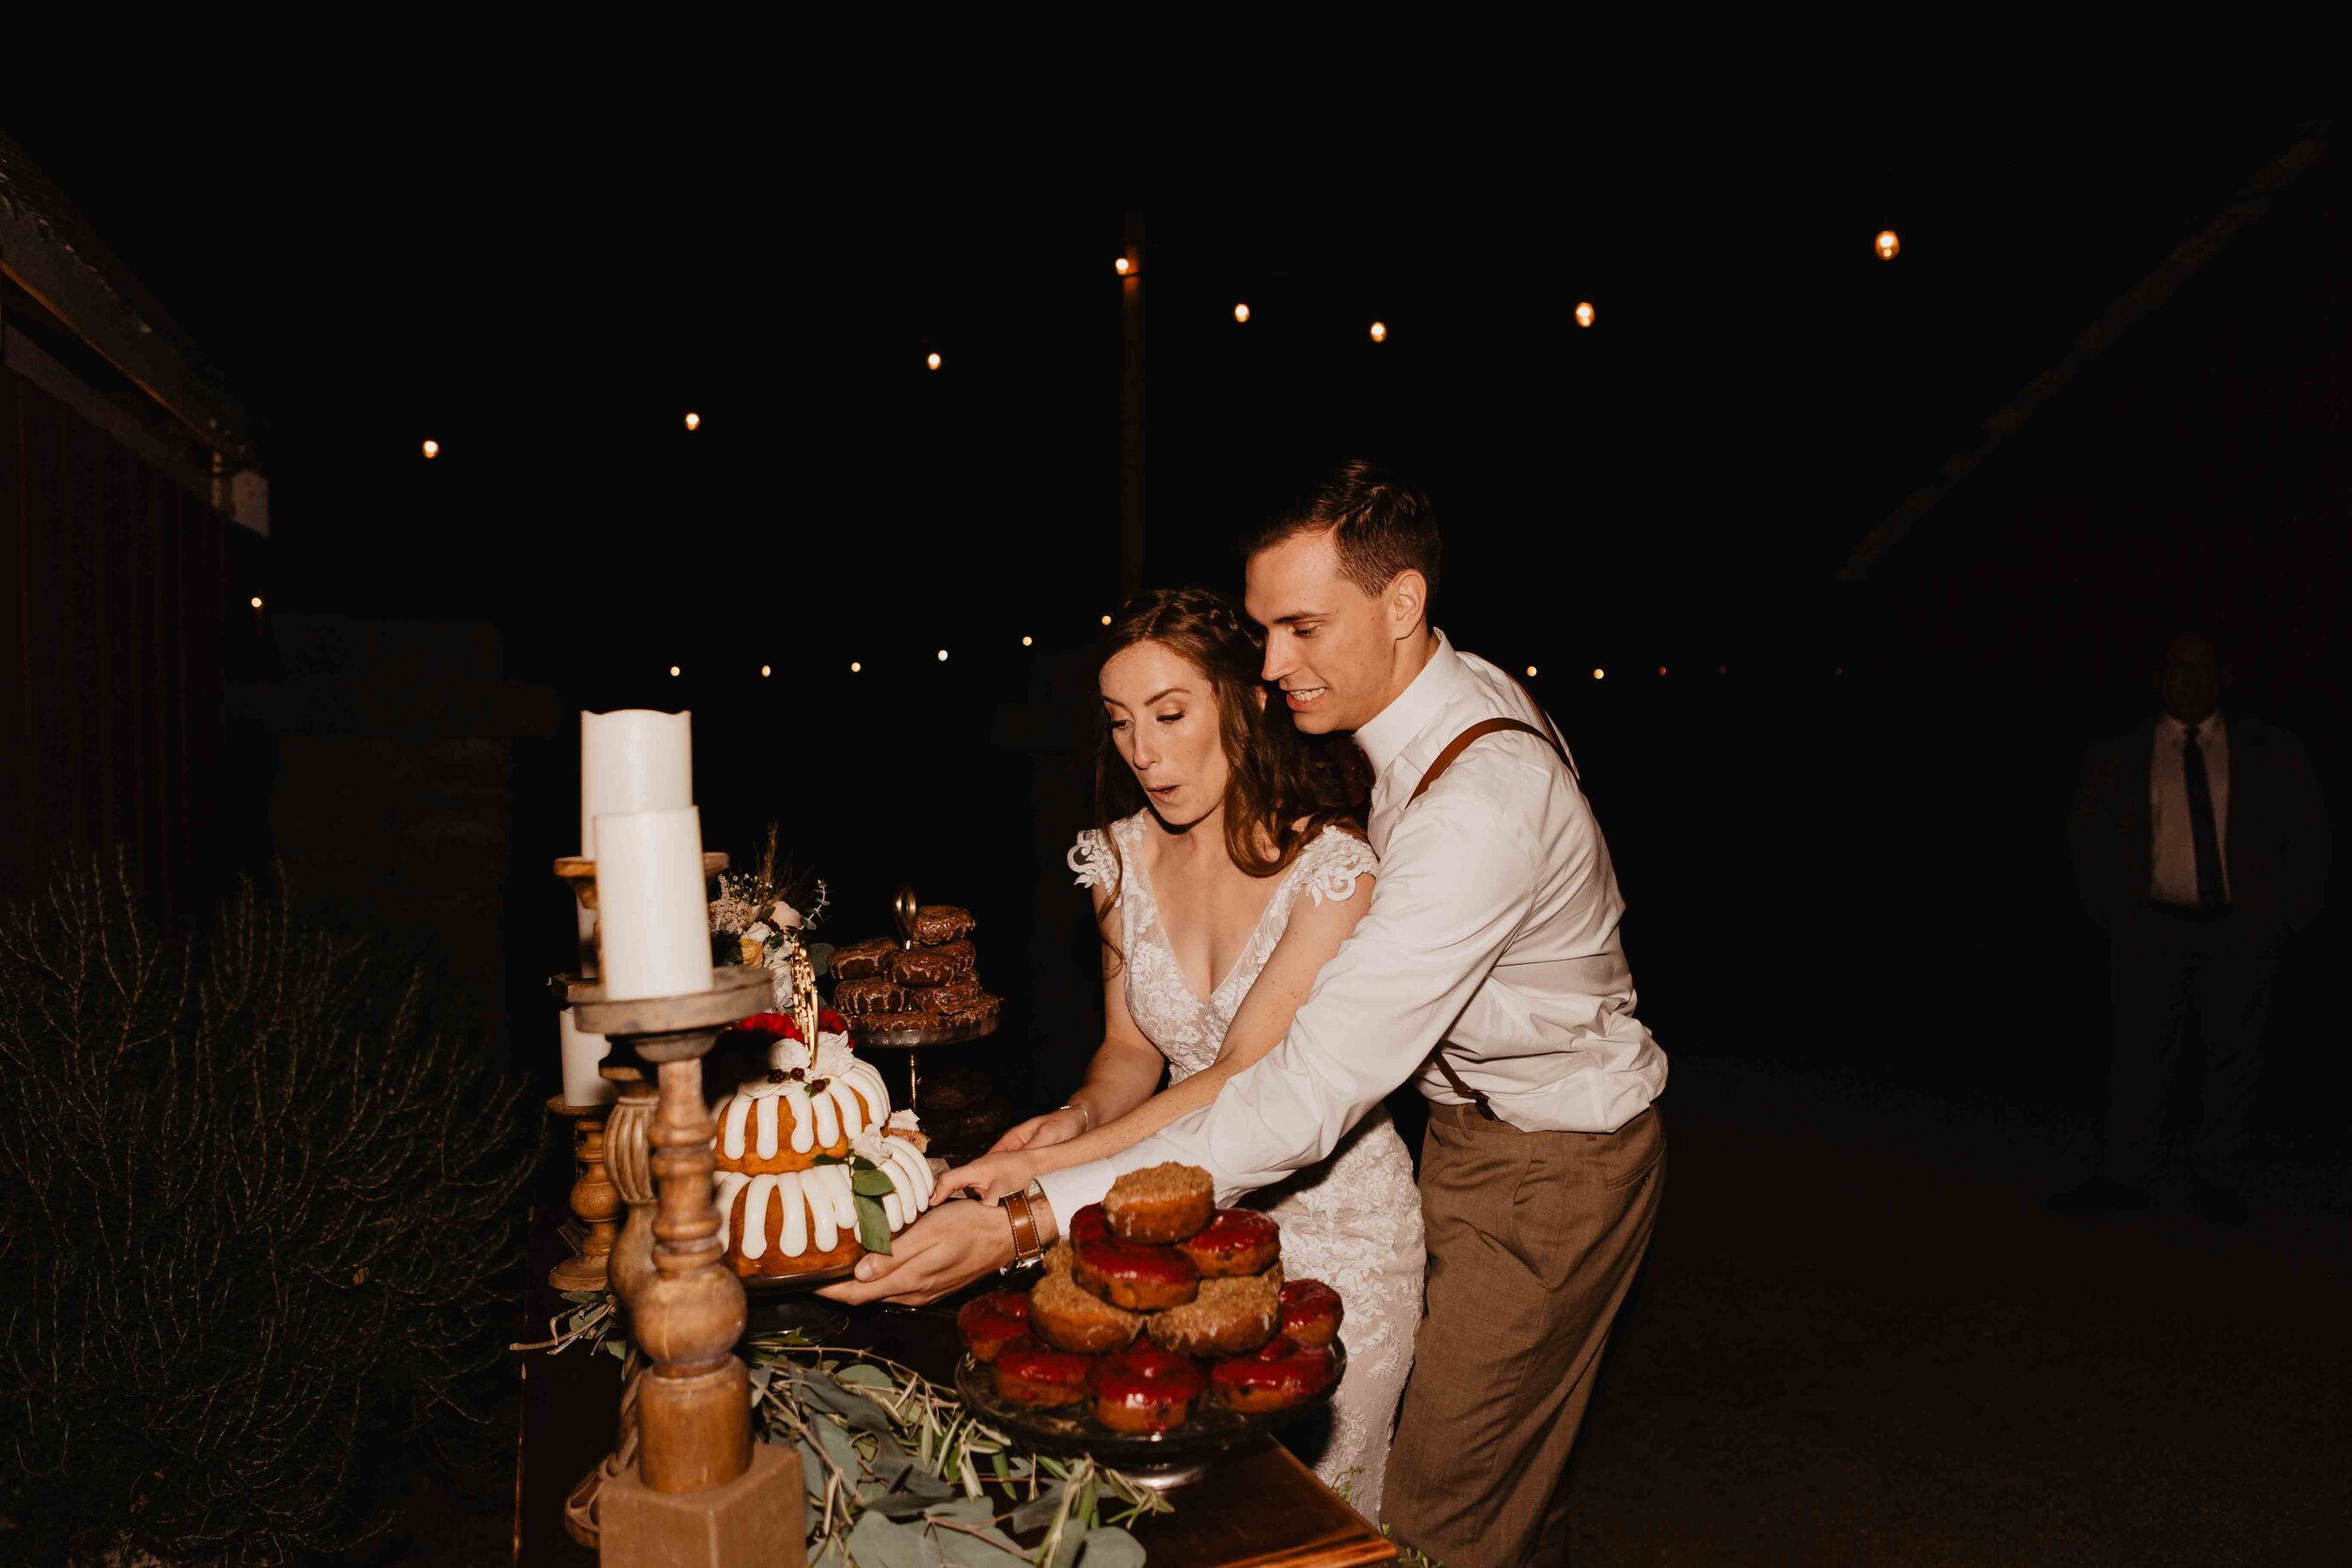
(1354, 1221)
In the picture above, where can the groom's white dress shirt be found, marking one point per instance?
(1492, 938)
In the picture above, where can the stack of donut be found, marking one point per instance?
(927, 984)
(1155, 1299)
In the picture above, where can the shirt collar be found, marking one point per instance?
(2210, 728)
(1393, 728)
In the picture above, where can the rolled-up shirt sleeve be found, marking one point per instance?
(1458, 879)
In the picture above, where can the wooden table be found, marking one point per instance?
(1261, 1508)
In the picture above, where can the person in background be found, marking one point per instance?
(2200, 846)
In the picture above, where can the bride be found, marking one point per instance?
(1220, 899)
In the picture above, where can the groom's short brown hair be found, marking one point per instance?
(1379, 524)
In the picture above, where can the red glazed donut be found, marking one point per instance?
(1282, 1373)
(1138, 1277)
(989, 1323)
(1040, 1376)
(1145, 1388)
(1237, 1242)
(1311, 1311)
(1087, 1224)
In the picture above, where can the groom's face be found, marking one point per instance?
(1327, 642)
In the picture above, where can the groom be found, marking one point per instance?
(1489, 971)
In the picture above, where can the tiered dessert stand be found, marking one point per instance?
(914, 1040)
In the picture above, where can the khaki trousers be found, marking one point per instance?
(1533, 1238)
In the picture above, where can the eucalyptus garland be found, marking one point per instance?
(900, 1475)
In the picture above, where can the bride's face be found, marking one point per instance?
(1163, 716)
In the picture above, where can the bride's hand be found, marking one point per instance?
(995, 1174)
(1054, 1127)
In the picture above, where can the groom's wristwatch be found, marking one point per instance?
(1029, 1237)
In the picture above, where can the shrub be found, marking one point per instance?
(260, 1231)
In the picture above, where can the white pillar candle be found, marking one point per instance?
(629, 761)
(651, 905)
(583, 1053)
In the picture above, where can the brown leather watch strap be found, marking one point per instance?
(1477, 732)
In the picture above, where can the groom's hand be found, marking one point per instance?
(944, 1250)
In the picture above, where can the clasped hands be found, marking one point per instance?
(957, 1243)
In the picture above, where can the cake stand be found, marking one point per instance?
(1158, 1460)
(912, 1040)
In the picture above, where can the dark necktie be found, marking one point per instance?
(2200, 824)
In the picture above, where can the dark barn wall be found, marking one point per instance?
(117, 612)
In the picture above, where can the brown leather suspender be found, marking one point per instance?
(1463, 742)
(1454, 749)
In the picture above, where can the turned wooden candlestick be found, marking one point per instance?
(693, 1408)
(594, 1199)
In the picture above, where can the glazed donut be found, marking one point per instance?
(1237, 1241)
(1230, 1317)
(1068, 1318)
(1138, 1277)
(1145, 1388)
(1279, 1375)
(1040, 1376)
(1160, 1203)
(1088, 1225)
(1311, 1311)
(988, 1323)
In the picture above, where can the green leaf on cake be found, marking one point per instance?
(873, 1226)
(871, 1183)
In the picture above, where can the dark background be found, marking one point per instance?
(1837, 812)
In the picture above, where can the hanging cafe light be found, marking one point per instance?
(931, 360)
(1888, 245)
(1241, 313)
(1584, 312)
(1379, 332)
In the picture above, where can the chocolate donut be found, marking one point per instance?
(952, 997)
(1069, 1319)
(933, 966)
(1312, 1311)
(1145, 1388)
(899, 1020)
(872, 994)
(1160, 1203)
(1138, 1277)
(1039, 1375)
(1280, 1374)
(990, 1322)
(938, 924)
(861, 960)
(983, 1011)
(1229, 1316)
(1236, 1241)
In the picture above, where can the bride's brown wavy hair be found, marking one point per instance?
(1284, 787)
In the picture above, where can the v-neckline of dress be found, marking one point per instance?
(1159, 919)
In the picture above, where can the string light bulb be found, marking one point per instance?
(1241, 313)
(1583, 312)
(674, 671)
(1024, 641)
(931, 360)
(1530, 672)
(855, 667)
(942, 656)
(1106, 620)
(1124, 266)
(1888, 244)
(1599, 673)
(765, 672)
(1379, 332)
(693, 421)
(257, 601)
(432, 449)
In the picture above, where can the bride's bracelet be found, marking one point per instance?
(1073, 1105)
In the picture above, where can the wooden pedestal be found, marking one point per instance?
(757, 1520)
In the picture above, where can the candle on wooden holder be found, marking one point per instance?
(583, 1053)
(632, 760)
(650, 902)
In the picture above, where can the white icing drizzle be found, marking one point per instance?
(909, 1173)
(852, 1100)
(818, 1206)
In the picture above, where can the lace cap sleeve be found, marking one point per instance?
(1333, 861)
(1092, 860)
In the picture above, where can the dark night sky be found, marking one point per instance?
(547, 301)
